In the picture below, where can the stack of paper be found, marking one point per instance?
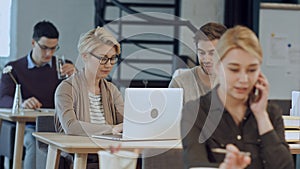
(292, 128)
(291, 122)
(292, 135)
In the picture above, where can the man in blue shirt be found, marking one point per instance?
(37, 74)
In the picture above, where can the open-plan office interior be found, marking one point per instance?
(156, 40)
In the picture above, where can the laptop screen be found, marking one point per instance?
(152, 113)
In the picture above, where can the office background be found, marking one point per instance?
(74, 17)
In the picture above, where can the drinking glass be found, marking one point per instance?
(60, 61)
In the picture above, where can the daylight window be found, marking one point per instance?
(5, 18)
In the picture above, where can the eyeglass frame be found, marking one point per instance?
(116, 57)
(45, 48)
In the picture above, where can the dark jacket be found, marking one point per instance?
(206, 124)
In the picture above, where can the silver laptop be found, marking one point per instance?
(150, 114)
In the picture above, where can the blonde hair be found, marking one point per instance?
(95, 38)
(239, 37)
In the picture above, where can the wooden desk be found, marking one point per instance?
(21, 119)
(82, 146)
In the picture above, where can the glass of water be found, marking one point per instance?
(60, 61)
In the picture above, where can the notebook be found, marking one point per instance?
(150, 114)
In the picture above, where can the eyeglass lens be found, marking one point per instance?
(55, 48)
(103, 59)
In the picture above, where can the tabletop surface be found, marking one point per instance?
(73, 144)
(70, 143)
(27, 115)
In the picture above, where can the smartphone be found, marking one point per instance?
(255, 95)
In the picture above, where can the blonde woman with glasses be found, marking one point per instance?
(86, 103)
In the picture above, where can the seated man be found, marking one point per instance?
(37, 74)
(199, 80)
(195, 82)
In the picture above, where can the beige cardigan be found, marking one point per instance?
(72, 107)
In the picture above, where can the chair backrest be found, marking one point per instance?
(44, 124)
(285, 105)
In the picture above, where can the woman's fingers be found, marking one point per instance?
(234, 159)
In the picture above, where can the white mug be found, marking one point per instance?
(120, 160)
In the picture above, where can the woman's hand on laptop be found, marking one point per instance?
(117, 129)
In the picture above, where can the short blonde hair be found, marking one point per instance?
(239, 37)
(95, 38)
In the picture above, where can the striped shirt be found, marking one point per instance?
(96, 109)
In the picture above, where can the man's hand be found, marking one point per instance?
(31, 103)
(68, 69)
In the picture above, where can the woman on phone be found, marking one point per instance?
(235, 116)
(86, 103)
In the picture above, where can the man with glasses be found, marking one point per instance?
(37, 74)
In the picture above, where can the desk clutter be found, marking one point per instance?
(292, 122)
(292, 128)
(295, 107)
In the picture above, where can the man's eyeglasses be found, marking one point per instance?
(103, 59)
(55, 48)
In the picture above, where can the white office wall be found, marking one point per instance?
(199, 12)
(71, 17)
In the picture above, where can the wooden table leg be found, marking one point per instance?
(53, 157)
(80, 161)
(18, 151)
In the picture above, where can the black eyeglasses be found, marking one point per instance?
(103, 59)
(55, 48)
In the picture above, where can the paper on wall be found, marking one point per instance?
(278, 50)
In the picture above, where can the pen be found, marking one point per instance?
(32, 110)
(224, 151)
(39, 110)
(44, 110)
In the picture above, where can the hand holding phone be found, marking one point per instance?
(259, 108)
(255, 95)
(258, 97)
